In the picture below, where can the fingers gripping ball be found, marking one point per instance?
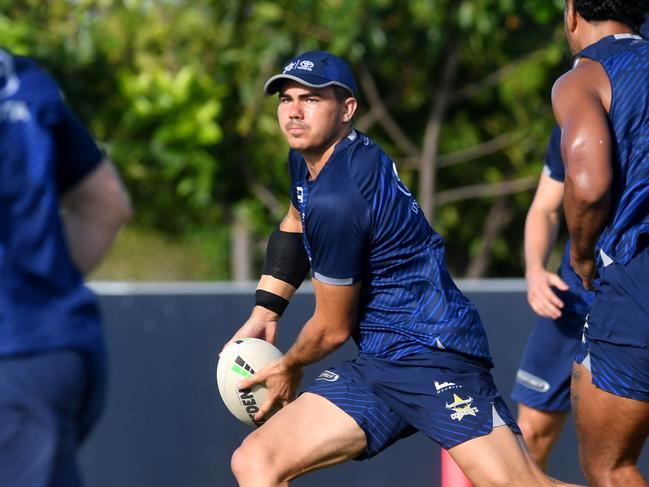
(239, 360)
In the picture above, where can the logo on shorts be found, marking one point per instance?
(446, 386)
(328, 376)
(462, 407)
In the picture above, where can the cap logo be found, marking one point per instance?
(289, 67)
(305, 65)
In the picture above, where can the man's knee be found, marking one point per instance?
(539, 436)
(253, 461)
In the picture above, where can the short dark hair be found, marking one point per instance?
(629, 12)
(341, 93)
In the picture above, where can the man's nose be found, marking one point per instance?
(295, 110)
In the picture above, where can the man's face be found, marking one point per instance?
(310, 118)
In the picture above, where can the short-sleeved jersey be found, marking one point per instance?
(625, 58)
(360, 223)
(44, 152)
(577, 299)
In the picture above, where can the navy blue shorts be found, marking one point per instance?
(543, 378)
(47, 404)
(616, 334)
(449, 397)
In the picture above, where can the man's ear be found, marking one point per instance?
(350, 106)
(570, 16)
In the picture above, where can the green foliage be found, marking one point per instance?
(172, 89)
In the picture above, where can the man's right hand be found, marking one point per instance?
(541, 296)
(261, 324)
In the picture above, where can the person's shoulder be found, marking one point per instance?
(363, 154)
(584, 80)
(24, 77)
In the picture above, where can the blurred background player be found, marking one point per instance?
(602, 107)
(61, 205)
(542, 388)
(380, 277)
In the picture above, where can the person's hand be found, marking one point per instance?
(540, 294)
(584, 267)
(261, 324)
(282, 382)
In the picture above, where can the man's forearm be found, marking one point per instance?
(315, 341)
(586, 220)
(540, 235)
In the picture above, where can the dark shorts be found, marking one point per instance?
(47, 405)
(616, 335)
(449, 397)
(543, 378)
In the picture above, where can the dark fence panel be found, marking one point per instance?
(165, 426)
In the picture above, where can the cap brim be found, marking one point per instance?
(273, 84)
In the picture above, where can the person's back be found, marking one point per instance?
(61, 204)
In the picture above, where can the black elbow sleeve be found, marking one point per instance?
(286, 258)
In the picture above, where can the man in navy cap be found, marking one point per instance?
(379, 276)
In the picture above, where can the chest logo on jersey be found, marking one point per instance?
(461, 407)
(300, 193)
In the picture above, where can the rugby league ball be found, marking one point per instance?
(240, 360)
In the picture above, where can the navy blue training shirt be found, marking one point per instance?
(44, 152)
(625, 57)
(361, 223)
(577, 299)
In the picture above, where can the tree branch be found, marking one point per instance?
(380, 112)
(499, 216)
(494, 78)
(475, 152)
(486, 189)
(427, 168)
(480, 150)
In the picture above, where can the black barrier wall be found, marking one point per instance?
(164, 424)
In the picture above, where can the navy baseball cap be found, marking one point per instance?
(315, 69)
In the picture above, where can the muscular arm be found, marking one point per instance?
(93, 212)
(580, 100)
(541, 227)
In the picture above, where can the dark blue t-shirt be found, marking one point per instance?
(44, 152)
(361, 223)
(577, 299)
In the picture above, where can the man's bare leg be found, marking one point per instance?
(308, 434)
(611, 432)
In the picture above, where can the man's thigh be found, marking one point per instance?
(39, 398)
(308, 434)
(611, 429)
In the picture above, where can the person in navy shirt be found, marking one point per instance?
(61, 205)
(602, 107)
(379, 277)
(542, 388)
